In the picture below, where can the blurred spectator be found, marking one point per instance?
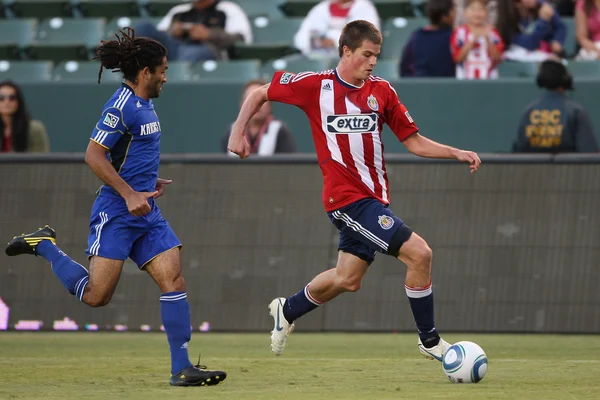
(553, 123)
(266, 135)
(320, 31)
(18, 132)
(531, 30)
(427, 52)
(476, 46)
(491, 9)
(200, 31)
(587, 23)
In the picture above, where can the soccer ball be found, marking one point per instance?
(465, 362)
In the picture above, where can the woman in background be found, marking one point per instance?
(587, 23)
(18, 132)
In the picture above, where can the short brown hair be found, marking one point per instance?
(356, 32)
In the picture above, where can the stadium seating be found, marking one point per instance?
(115, 24)
(511, 69)
(108, 8)
(387, 69)
(15, 35)
(396, 32)
(584, 69)
(83, 71)
(26, 71)
(385, 8)
(300, 65)
(228, 71)
(158, 8)
(260, 8)
(39, 8)
(273, 38)
(60, 39)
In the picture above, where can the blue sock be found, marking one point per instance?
(73, 275)
(421, 304)
(299, 304)
(175, 314)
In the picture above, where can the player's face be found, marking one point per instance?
(364, 59)
(158, 79)
(476, 14)
(8, 100)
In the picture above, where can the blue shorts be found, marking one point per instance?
(367, 226)
(116, 234)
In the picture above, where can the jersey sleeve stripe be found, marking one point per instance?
(120, 96)
(121, 103)
(95, 141)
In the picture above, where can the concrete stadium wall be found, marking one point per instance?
(516, 246)
(482, 116)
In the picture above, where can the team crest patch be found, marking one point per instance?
(386, 222)
(111, 120)
(285, 78)
(372, 103)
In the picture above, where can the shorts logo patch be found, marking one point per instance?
(285, 78)
(111, 120)
(386, 222)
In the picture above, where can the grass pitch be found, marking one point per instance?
(314, 366)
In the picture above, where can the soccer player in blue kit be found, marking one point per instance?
(124, 152)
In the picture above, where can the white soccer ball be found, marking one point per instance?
(465, 362)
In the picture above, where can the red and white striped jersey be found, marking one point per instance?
(478, 64)
(346, 123)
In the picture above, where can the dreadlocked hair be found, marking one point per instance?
(129, 54)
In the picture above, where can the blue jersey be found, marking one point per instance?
(129, 129)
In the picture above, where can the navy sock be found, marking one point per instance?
(299, 304)
(73, 275)
(175, 314)
(421, 304)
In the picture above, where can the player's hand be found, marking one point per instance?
(160, 186)
(137, 203)
(239, 145)
(470, 157)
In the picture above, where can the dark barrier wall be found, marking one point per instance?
(482, 116)
(516, 246)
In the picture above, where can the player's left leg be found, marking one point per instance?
(158, 253)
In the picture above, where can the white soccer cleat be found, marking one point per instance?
(436, 352)
(281, 329)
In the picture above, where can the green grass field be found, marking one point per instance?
(315, 366)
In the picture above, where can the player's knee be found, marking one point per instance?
(350, 284)
(97, 300)
(421, 257)
(175, 283)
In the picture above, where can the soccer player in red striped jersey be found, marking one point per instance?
(347, 108)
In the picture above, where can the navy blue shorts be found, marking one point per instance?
(367, 227)
(116, 234)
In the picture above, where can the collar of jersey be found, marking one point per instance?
(144, 101)
(344, 83)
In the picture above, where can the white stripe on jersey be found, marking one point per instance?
(327, 106)
(120, 104)
(123, 92)
(378, 159)
(101, 136)
(357, 150)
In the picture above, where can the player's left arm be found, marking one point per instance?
(404, 127)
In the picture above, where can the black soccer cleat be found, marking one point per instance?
(198, 376)
(27, 243)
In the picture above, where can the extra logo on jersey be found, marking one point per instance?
(352, 123)
(111, 120)
(386, 222)
(372, 103)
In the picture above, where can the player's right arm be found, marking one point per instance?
(237, 141)
(107, 133)
(285, 87)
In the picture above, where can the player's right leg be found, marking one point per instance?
(354, 258)
(94, 288)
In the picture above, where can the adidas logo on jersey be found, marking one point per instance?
(327, 86)
(352, 123)
(150, 128)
